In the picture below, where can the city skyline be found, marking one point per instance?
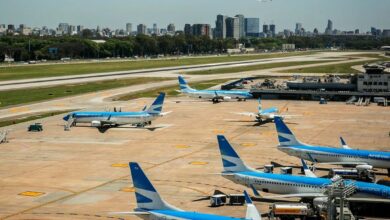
(311, 13)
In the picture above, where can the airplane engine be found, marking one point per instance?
(364, 167)
(227, 98)
(96, 124)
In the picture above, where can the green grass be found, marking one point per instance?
(22, 96)
(251, 68)
(37, 71)
(30, 118)
(170, 90)
(340, 68)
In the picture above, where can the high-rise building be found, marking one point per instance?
(265, 29)
(80, 29)
(201, 29)
(141, 29)
(272, 29)
(241, 23)
(129, 28)
(373, 31)
(188, 29)
(220, 27)
(2, 29)
(252, 27)
(315, 31)
(63, 28)
(72, 30)
(155, 29)
(386, 33)
(171, 28)
(329, 28)
(233, 28)
(357, 31)
(298, 28)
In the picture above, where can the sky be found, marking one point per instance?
(345, 14)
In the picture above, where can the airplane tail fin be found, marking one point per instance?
(184, 85)
(146, 195)
(260, 107)
(251, 210)
(230, 159)
(156, 107)
(285, 136)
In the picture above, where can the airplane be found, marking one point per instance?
(213, 95)
(117, 118)
(151, 206)
(263, 115)
(289, 186)
(345, 156)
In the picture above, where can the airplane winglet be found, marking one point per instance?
(255, 192)
(251, 210)
(248, 199)
(343, 143)
(306, 169)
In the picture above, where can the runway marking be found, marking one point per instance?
(128, 189)
(31, 193)
(75, 214)
(119, 178)
(121, 165)
(182, 146)
(218, 131)
(201, 163)
(248, 144)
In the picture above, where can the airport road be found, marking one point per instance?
(83, 174)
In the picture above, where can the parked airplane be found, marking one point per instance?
(363, 159)
(263, 115)
(113, 119)
(151, 206)
(213, 95)
(288, 185)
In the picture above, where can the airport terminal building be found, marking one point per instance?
(373, 84)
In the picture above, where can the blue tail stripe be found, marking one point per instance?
(281, 127)
(142, 199)
(282, 139)
(139, 178)
(225, 147)
(228, 163)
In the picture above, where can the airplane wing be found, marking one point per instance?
(250, 114)
(295, 195)
(346, 163)
(368, 200)
(129, 213)
(165, 113)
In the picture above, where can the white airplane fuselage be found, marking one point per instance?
(292, 184)
(338, 155)
(210, 94)
(117, 118)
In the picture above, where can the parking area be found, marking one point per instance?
(84, 174)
